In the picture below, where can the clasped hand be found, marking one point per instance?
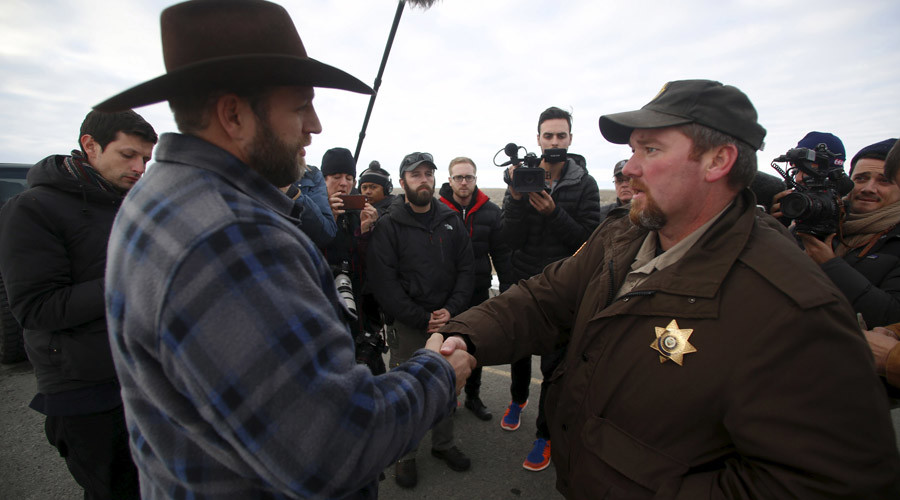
(462, 362)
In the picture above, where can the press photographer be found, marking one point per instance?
(864, 259)
(809, 141)
(346, 256)
(817, 182)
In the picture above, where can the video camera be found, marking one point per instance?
(529, 176)
(816, 203)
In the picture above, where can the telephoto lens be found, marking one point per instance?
(345, 290)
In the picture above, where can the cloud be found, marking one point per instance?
(465, 77)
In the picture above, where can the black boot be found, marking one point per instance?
(477, 407)
(455, 459)
(407, 476)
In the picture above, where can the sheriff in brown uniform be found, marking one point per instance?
(708, 357)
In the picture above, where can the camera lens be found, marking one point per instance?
(345, 291)
(795, 205)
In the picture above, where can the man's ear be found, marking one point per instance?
(235, 117)
(721, 160)
(91, 147)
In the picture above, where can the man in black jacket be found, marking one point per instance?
(420, 268)
(623, 190)
(542, 228)
(53, 258)
(481, 217)
(864, 262)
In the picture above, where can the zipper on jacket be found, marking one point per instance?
(613, 289)
(612, 284)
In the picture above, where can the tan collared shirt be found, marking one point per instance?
(646, 261)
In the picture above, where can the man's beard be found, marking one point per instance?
(278, 162)
(420, 197)
(648, 216)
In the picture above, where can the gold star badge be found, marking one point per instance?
(672, 343)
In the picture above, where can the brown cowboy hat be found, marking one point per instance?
(229, 44)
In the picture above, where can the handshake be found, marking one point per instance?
(454, 351)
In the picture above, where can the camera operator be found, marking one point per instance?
(346, 256)
(623, 190)
(541, 228)
(810, 141)
(864, 262)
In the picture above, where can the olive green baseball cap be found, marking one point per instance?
(705, 102)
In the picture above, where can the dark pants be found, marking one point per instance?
(520, 372)
(95, 447)
(473, 383)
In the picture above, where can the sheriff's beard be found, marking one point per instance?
(646, 213)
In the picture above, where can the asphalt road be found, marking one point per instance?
(31, 469)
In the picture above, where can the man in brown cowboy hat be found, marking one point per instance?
(233, 349)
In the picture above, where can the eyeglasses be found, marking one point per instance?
(460, 178)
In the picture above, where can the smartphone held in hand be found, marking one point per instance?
(353, 201)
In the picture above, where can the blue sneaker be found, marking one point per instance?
(512, 418)
(539, 458)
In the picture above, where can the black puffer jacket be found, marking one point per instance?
(53, 240)
(872, 282)
(414, 270)
(482, 220)
(385, 204)
(537, 240)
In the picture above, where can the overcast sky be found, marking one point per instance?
(465, 77)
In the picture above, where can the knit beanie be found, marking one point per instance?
(831, 141)
(338, 161)
(879, 151)
(376, 175)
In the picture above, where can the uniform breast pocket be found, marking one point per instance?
(620, 464)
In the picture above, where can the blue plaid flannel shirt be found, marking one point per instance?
(236, 362)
